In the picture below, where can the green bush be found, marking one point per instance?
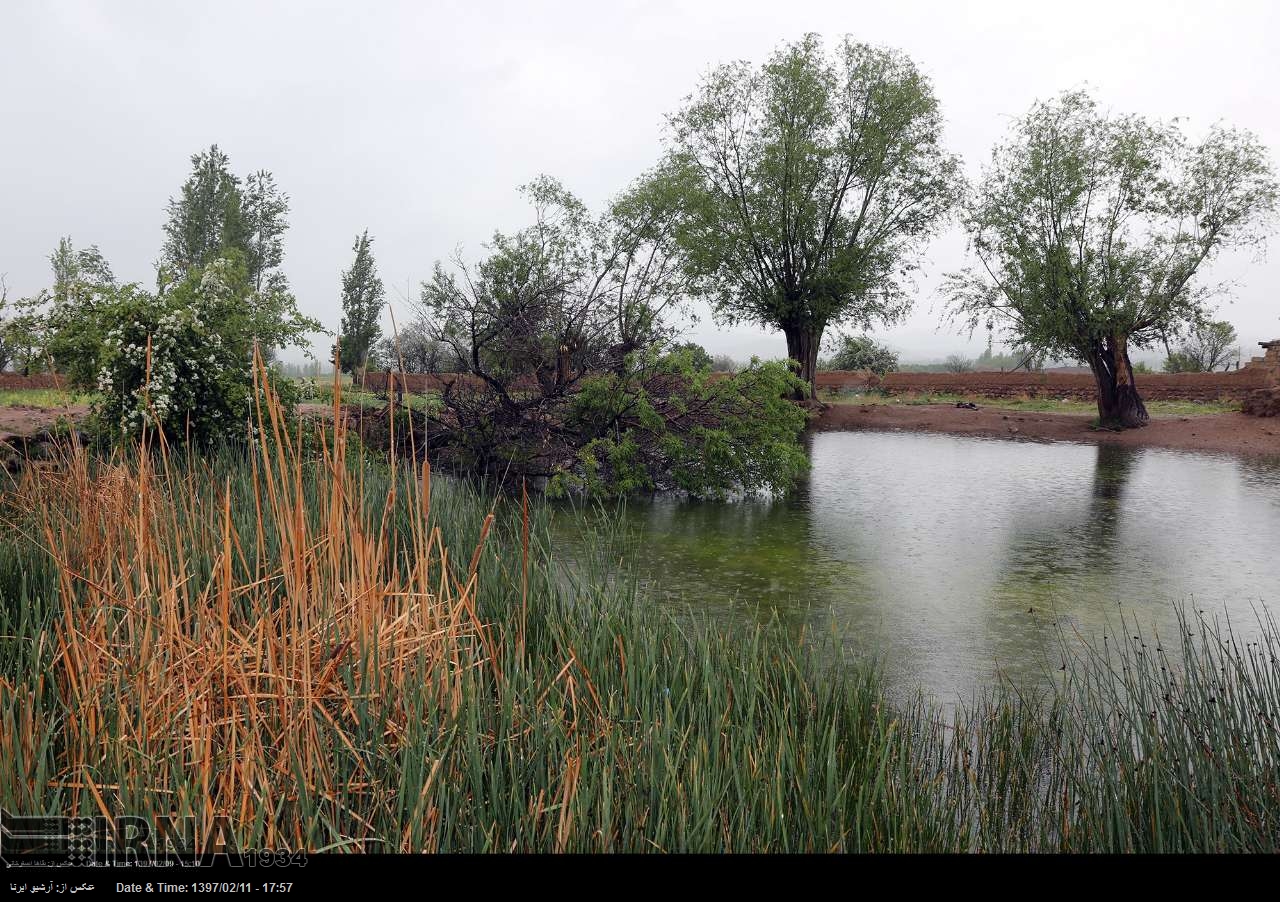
(180, 360)
(861, 352)
(678, 429)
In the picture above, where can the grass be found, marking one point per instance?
(346, 657)
(318, 392)
(41, 397)
(1156, 408)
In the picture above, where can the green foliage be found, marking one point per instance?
(78, 273)
(179, 360)
(861, 352)
(22, 333)
(263, 210)
(1210, 345)
(679, 430)
(82, 286)
(206, 218)
(362, 299)
(697, 355)
(751, 444)
(1091, 230)
(809, 187)
(214, 214)
(561, 332)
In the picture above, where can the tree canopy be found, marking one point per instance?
(862, 352)
(1091, 229)
(699, 359)
(216, 212)
(363, 297)
(264, 208)
(571, 293)
(809, 186)
(1209, 345)
(206, 217)
(565, 336)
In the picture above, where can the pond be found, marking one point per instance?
(953, 560)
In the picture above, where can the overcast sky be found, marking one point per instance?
(419, 120)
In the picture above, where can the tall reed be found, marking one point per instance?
(280, 635)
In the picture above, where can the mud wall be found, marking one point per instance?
(1078, 386)
(1265, 401)
(1235, 385)
(1269, 362)
(16, 382)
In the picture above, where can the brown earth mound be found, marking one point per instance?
(1265, 402)
(26, 419)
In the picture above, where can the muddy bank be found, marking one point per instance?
(25, 419)
(1226, 432)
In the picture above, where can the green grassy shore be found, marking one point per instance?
(1157, 408)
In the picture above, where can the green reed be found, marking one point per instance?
(542, 707)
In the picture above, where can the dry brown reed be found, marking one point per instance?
(221, 677)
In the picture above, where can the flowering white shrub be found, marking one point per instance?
(182, 360)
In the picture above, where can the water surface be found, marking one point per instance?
(954, 559)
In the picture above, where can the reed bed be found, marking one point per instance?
(280, 635)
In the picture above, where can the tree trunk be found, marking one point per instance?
(802, 347)
(1119, 406)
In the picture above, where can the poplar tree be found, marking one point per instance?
(206, 218)
(362, 300)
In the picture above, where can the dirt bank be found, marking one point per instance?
(1226, 432)
(26, 419)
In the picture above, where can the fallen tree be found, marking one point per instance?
(572, 381)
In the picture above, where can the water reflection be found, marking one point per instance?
(954, 559)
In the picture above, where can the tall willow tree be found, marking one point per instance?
(811, 185)
(1091, 230)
